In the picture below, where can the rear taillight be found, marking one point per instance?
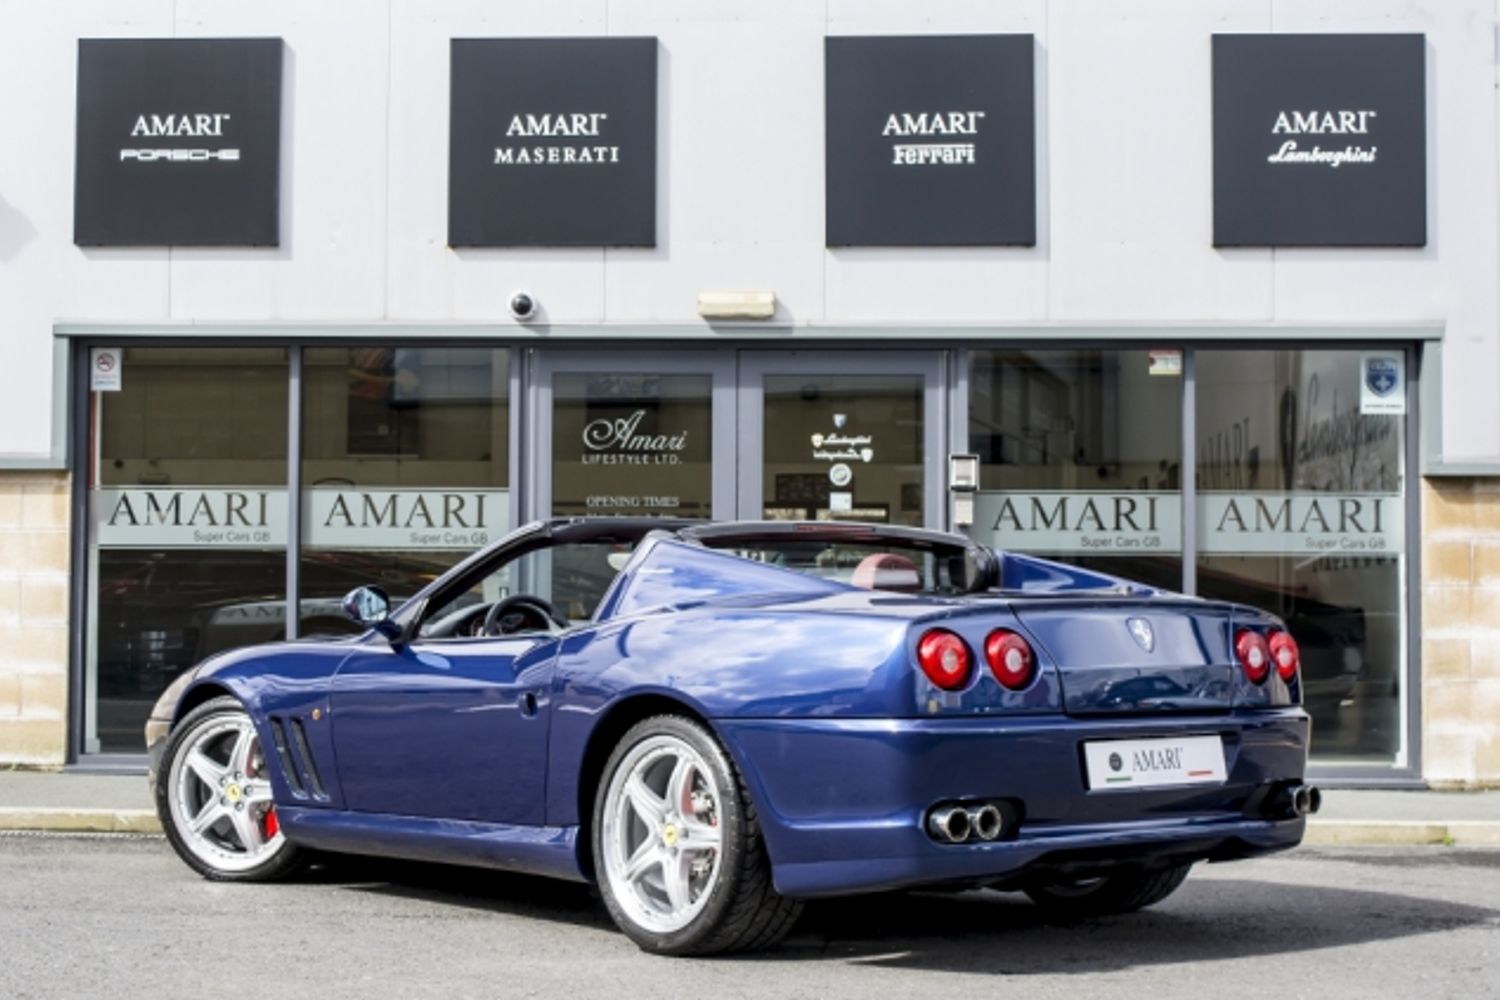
(1285, 654)
(1251, 650)
(1010, 658)
(944, 658)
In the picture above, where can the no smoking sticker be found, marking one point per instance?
(104, 369)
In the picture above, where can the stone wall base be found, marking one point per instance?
(34, 512)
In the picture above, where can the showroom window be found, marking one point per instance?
(405, 469)
(1301, 510)
(1079, 457)
(188, 504)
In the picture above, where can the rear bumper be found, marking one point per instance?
(842, 802)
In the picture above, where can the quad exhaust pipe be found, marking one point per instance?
(958, 822)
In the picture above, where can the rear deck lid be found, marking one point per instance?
(1135, 656)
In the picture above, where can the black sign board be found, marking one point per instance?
(1320, 140)
(179, 142)
(552, 142)
(931, 141)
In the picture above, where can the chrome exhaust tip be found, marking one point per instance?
(949, 823)
(1301, 800)
(986, 821)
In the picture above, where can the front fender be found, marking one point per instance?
(288, 683)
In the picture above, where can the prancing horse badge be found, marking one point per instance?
(1141, 631)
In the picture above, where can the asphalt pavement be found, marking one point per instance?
(118, 916)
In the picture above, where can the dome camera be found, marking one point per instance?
(523, 306)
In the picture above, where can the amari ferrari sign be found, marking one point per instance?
(931, 141)
(1319, 140)
(552, 142)
(179, 142)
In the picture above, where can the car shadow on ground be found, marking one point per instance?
(990, 932)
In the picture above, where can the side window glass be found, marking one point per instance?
(571, 579)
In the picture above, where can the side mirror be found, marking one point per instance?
(370, 607)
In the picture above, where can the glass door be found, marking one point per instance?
(632, 434)
(842, 436)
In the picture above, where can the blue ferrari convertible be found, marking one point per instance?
(714, 722)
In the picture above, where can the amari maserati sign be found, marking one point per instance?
(178, 142)
(552, 142)
(930, 141)
(1319, 140)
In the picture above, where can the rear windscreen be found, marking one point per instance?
(880, 564)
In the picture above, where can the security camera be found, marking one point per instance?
(522, 306)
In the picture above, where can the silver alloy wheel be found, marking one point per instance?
(661, 838)
(219, 795)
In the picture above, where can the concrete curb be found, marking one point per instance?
(1399, 833)
(66, 820)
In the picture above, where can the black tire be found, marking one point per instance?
(284, 861)
(1123, 891)
(744, 912)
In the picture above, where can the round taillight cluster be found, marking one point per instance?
(944, 658)
(947, 662)
(1285, 654)
(1010, 658)
(1257, 654)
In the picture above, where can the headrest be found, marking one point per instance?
(887, 571)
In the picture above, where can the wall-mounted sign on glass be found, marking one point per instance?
(1319, 140)
(930, 141)
(1094, 522)
(552, 142)
(178, 142)
(632, 444)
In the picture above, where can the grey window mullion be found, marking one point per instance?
(1188, 480)
(293, 492)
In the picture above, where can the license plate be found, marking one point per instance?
(1182, 760)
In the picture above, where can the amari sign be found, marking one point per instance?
(215, 517)
(552, 142)
(255, 517)
(930, 141)
(179, 142)
(1319, 140)
(385, 520)
(1150, 523)
(1075, 523)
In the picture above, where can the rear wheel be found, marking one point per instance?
(1118, 892)
(677, 848)
(214, 798)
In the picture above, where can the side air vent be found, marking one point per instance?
(310, 770)
(293, 779)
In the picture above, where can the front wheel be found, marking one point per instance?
(677, 848)
(214, 798)
(1122, 891)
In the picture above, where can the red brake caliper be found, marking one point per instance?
(272, 824)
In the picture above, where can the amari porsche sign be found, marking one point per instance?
(552, 142)
(1319, 140)
(931, 141)
(179, 142)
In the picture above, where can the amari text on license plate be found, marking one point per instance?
(1179, 760)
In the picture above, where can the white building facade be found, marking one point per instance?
(784, 260)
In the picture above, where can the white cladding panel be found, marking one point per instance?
(1123, 166)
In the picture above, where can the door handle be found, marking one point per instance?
(528, 704)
